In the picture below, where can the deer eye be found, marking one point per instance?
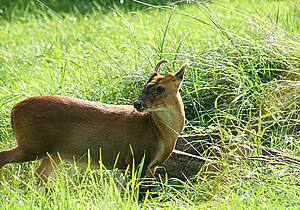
(159, 90)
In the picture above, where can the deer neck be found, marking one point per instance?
(169, 119)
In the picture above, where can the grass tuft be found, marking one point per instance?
(243, 79)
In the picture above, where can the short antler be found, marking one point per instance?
(159, 63)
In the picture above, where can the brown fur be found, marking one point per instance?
(69, 128)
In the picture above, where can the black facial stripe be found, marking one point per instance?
(148, 88)
(151, 78)
(159, 80)
(152, 85)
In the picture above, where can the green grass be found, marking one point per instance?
(244, 73)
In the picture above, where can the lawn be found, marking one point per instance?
(244, 73)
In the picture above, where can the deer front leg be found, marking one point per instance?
(149, 179)
(45, 169)
(150, 173)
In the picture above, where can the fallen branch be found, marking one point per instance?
(192, 152)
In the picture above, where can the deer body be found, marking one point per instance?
(73, 126)
(75, 130)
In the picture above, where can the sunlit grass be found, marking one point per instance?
(244, 73)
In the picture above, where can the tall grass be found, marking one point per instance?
(243, 79)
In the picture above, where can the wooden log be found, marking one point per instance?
(193, 152)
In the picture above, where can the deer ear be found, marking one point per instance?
(179, 74)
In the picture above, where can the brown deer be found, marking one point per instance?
(66, 128)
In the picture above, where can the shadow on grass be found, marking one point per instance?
(12, 9)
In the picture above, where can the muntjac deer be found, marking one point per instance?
(67, 129)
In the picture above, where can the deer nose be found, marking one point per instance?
(137, 104)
